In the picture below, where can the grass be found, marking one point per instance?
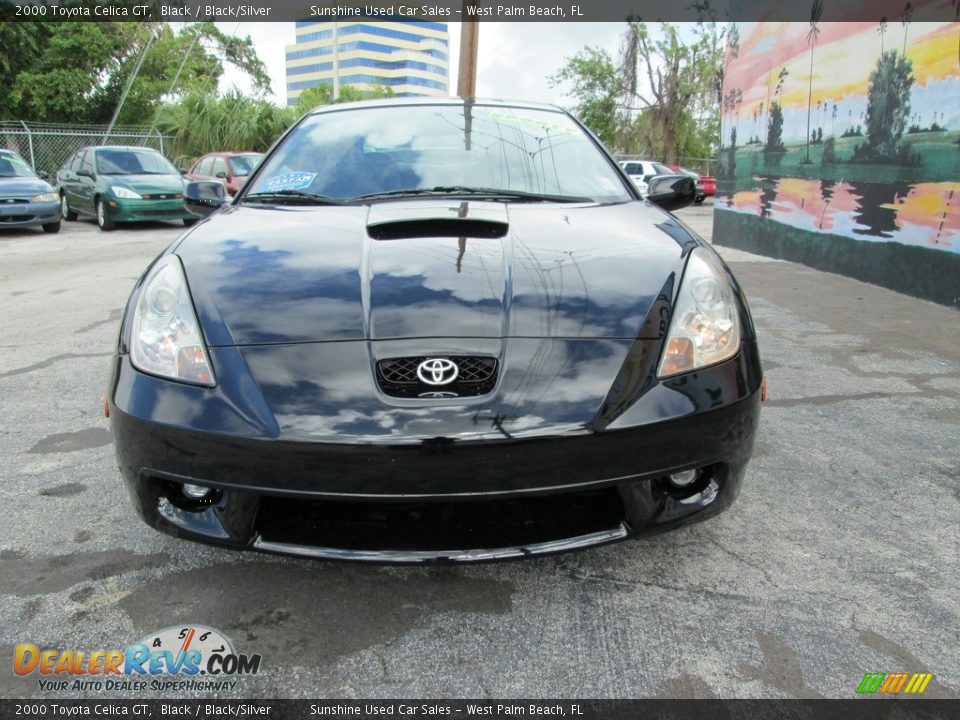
(939, 153)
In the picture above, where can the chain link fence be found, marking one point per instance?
(46, 146)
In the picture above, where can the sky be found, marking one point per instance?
(514, 59)
(844, 56)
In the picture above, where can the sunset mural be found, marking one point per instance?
(841, 138)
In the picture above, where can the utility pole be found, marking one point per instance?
(469, 30)
(126, 90)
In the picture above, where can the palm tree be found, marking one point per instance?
(816, 10)
(780, 78)
(907, 16)
(882, 30)
(833, 124)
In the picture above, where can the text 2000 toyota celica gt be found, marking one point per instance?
(434, 331)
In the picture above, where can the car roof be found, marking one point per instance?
(117, 147)
(451, 101)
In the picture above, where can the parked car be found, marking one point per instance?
(233, 168)
(26, 198)
(701, 189)
(709, 185)
(635, 170)
(434, 330)
(121, 184)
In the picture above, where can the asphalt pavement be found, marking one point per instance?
(839, 558)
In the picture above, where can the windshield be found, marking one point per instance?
(133, 162)
(13, 166)
(366, 151)
(243, 165)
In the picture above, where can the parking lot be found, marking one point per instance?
(839, 558)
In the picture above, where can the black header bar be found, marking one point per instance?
(550, 709)
(454, 10)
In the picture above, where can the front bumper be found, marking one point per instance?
(120, 210)
(28, 214)
(287, 496)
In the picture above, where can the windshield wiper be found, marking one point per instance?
(291, 197)
(496, 193)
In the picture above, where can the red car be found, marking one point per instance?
(709, 185)
(706, 183)
(232, 167)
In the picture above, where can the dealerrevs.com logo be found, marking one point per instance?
(193, 657)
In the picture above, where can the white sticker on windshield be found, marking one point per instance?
(289, 181)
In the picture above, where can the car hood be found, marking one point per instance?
(147, 184)
(23, 186)
(431, 269)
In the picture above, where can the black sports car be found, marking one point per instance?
(434, 330)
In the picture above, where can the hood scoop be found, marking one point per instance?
(437, 218)
(438, 227)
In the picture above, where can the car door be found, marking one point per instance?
(201, 169)
(220, 169)
(86, 182)
(67, 177)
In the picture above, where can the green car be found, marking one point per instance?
(121, 184)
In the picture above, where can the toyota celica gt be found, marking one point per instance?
(434, 330)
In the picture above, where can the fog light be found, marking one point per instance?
(681, 479)
(195, 492)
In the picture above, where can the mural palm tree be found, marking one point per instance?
(816, 10)
(907, 16)
(882, 30)
(781, 77)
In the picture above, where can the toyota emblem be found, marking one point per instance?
(437, 371)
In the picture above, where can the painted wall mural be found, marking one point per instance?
(841, 148)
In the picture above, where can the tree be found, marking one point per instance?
(888, 111)
(323, 95)
(672, 81)
(816, 11)
(781, 81)
(661, 97)
(596, 86)
(202, 123)
(775, 129)
(77, 72)
(906, 19)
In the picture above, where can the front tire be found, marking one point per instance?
(51, 228)
(105, 223)
(65, 210)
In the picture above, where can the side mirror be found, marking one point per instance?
(86, 174)
(183, 171)
(671, 192)
(43, 175)
(204, 197)
(221, 174)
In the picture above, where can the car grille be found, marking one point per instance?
(13, 201)
(441, 525)
(163, 196)
(476, 375)
(172, 212)
(16, 218)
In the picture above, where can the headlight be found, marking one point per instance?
(46, 197)
(165, 336)
(122, 192)
(705, 328)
